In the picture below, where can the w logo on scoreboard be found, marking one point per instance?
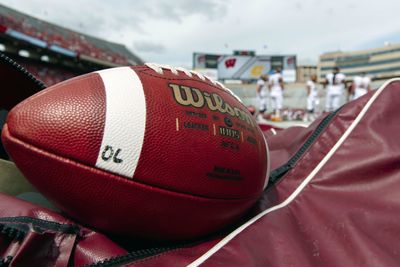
(230, 63)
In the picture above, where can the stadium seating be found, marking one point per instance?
(49, 76)
(68, 39)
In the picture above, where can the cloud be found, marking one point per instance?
(298, 6)
(178, 10)
(95, 16)
(170, 31)
(149, 47)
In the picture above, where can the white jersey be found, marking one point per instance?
(312, 98)
(361, 85)
(263, 92)
(335, 85)
(313, 89)
(361, 82)
(274, 81)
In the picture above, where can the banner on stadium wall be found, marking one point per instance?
(254, 68)
(251, 68)
(26, 38)
(230, 67)
(246, 67)
(62, 50)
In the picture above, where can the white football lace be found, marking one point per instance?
(174, 70)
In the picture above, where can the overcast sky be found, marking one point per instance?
(170, 31)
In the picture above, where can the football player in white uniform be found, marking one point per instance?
(336, 83)
(262, 94)
(312, 98)
(361, 85)
(276, 87)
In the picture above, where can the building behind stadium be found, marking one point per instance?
(378, 63)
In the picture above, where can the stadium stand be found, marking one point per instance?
(53, 53)
(49, 76)
(58, 37)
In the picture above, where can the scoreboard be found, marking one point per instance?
(245, 65)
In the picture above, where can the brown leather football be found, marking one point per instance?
(148, 151)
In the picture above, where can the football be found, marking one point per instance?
(148, 151)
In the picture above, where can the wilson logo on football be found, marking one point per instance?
(190, 96)
(230, 63)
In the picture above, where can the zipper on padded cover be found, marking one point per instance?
(19, 68)
(17, 228)
(276, 174)
(39, 225)
(11, 233)
(131, 257)
(5, 262)
(14, 231)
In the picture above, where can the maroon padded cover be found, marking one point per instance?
(339, 205)
(34, 236)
